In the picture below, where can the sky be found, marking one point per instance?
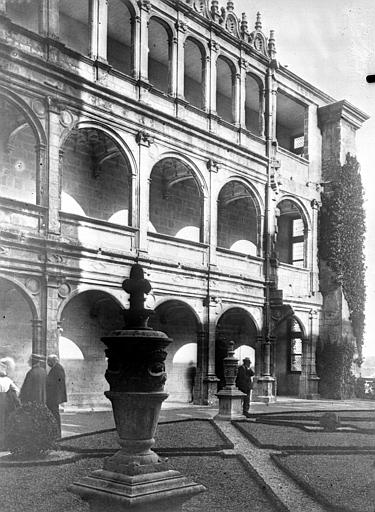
(331, 44)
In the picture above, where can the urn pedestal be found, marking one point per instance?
(135, 478)
(230, 398)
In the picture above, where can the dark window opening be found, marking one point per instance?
(290, 124)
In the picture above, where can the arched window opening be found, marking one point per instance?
(158, 56)
(253, 106)
(237, 219)
(96, 177)
(85, 319)
(224, 90)
(74, 24)
(15, 328)
(25, 14)
(120, 37)
(234, 325)
(291, 235)
(179, 322)
(290, 125)
(193, 74)
(288, 357)
(176, 201)
(18, 155)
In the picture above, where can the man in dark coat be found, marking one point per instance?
(56, 387)
(245, 384)
(34, 386)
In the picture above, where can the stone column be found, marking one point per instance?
(3, 7)
(173, 66)
(145, 9)
(52, 303)
(266, 382)
(54, 158)
(38, 344)
(313, 379)
(136, 45)
(242, 95)
(180, 64)
(93, 28)
(236, 100)
(210, 325)
(49, 20)
(206, 63)
(102, 30)
(314, 274)
(144, 141)
(213, 168)
(214, 48)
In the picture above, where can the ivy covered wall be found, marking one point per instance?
(341, 253)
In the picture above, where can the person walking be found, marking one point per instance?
(244, 382)
(8, 395)
(34, 386)
(56, 387)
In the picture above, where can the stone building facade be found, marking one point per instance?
(161, 132)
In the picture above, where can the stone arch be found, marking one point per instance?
(194, 72)
(176, 199)
(293, 227)
(160, 53)
(238, 325)
(254, 103)
(181, 323)
(22, 142)
(17, 325)
(85, 317)
(239, 218)
(288, 359)
(121, 35)
(225, 84)
(97, 175)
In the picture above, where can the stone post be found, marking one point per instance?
(230, 398)
(135, 478)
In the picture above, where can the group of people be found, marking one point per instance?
(39, 387)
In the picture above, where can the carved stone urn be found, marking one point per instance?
(135, 477)
(230, 398)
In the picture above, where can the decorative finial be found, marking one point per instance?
(137, 286)
(244, 25)
(272, 45)
(230, 5)
(258, 23)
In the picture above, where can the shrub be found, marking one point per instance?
(330, 421)
(31, 431)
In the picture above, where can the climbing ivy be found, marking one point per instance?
(334, 363)
(342, 236)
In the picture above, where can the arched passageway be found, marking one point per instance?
(179, 322)
(16, 331)
(176, 201)
(234, 325)
(238, 220)
(85, 319)
(288, 357)
(96, 179)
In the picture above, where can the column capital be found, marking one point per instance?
(144, 138)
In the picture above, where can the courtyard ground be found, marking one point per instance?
(279, 459)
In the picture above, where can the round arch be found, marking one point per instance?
(198, 175)
(17, 321)
(84, 319)
(300, 205)
(180, 322)
(97, 175)
(177, 202)
(239, 219)
(288, 356)
(28, 112)
(238, 325)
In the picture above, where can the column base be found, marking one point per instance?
(266, 390)
(230, 404)
(164, 491)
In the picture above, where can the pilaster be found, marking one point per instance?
(142, 192)
(54, 165)
(143, 52)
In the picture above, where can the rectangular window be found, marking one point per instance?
(295, 354)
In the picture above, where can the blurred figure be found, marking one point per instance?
(56, 387)
(34, 386)
(8, 394)
(190, 377)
